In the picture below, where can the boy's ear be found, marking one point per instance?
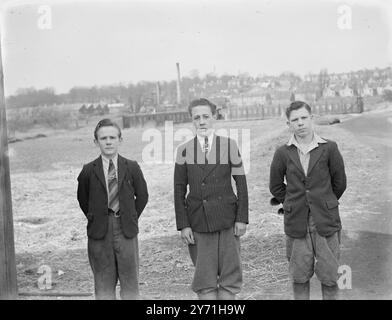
(95, 142)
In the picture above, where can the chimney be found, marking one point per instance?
(158, 92)
(178, 84)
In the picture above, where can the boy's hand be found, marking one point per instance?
(187, 235)
(239, 229)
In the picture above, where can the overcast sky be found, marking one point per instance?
(97, 43)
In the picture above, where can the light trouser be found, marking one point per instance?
(313, 254)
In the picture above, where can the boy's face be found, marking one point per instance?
(202, 119)
(300, 122)
(108, 141)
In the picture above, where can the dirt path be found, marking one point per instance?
(368, 239)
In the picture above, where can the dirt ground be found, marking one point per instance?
(50, 228)
(370, 241)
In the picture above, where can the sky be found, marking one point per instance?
(90, 43)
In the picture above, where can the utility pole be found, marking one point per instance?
(178, 84)
(8, 284)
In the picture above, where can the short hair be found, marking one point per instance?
(295, 105)
(106, 123)
(202, 102)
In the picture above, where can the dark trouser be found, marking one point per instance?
(216, 257)
(112, 258)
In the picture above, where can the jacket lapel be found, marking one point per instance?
(98, 170)
(122, 169)
(293, 154)
(315, 155)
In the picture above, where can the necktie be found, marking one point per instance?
(114, 203)
(206, 149)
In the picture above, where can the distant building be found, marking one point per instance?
(248, 100)
(366, 91)
(115, 105)
(346, 92)
(380, 90)
(284, 85)
(305, 96)
(329, 92)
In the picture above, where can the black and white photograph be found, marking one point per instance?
(196, 150)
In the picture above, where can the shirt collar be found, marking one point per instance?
(210, 137)
(316, 140)
(105, 161)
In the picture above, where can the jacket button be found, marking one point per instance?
(307, 190)
(203, 184)
(204, 200)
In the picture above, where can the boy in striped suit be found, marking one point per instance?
(211, 217)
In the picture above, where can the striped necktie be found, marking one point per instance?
(206, 149)
(114, 203)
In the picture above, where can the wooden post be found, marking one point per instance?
(8, 285)
(158, 93)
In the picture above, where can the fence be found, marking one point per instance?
(265, 112)
(140, 119)
(237, 113)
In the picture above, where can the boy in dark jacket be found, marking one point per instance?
(314, 170)
(112, 194)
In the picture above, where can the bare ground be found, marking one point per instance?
(50, 228)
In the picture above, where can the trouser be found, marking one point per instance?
(314, 254)
(115, 258)
(216, 257)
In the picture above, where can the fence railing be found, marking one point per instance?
(140, 119)
(236, 113)
(264, 112)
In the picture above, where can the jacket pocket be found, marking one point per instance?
(331, 204)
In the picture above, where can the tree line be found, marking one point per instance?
(152, 94)
(144, 93)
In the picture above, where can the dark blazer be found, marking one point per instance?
(211, 204)
(93, 198)
(319, 191)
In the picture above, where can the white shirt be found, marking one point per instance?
(105, 165)
(210, 139)
(304, 151)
